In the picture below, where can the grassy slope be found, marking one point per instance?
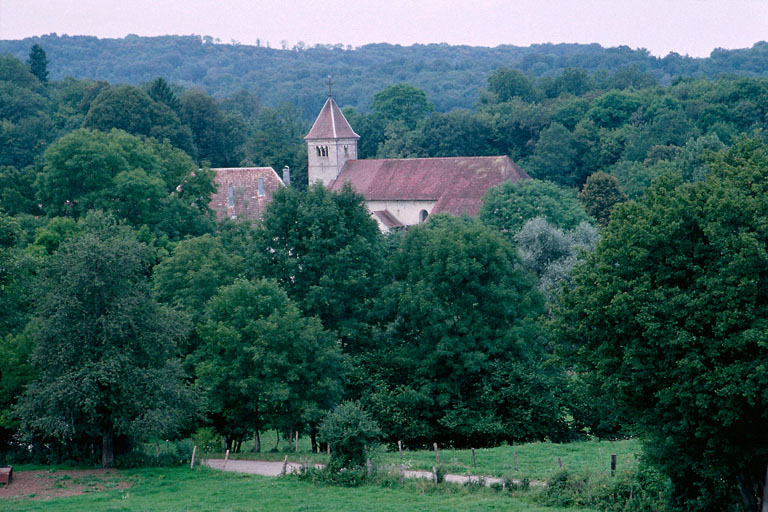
(178, 489)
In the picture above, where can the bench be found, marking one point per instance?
(5, 475)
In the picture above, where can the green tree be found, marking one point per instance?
(161, 92)
(508, 206)
(458, 318)
(104, 349)
(192, 274)
(263, 363)
(506, 83)
(402, 102)
(38, 63)
(554, 157)
(669, 311)
(600, 194)
(216, 139)
(327, 254)
(131, 109)
(142, 181)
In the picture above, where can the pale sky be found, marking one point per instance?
(693, 27)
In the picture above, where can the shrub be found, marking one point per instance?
(208, 441)
(350, 431)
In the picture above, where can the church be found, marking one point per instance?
(399, 192)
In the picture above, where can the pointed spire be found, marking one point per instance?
(331, 123)
(329, 87)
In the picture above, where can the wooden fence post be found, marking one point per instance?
(613, 464)
(514, 459)
(437, 455)
(226, 458)
(560, 461)
(297, 441)
(194, 451)
(474, 459)
(369, 467)
(402, 475)
(400, 448)
(434, 474)
(285, 466)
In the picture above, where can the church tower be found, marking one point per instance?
(330, 143)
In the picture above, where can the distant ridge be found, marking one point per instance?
(452, 76)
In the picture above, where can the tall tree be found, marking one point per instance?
(131, 109)
(600, 194)
(263, 363)
(670, 312)
(508, 206)
(326, 252)
(142, 181)
(38, 63)
(402, 102)
(104, 349)
(459, 335)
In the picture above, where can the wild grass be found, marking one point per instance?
(202, 489)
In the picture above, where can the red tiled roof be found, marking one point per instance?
(248, 204)
(389, 220)
(331, 124)
(458, 184)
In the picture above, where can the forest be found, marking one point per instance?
(619, 293)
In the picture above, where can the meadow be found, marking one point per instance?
(535, 461)
(180, 488)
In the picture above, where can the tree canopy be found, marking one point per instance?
(104, 349)
(670, 312)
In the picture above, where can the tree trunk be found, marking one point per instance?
(747, 491)
(277, 436)
(764, 508)
(256, 443)
(313, 438)
(107, 451)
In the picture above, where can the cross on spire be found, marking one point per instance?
(329, 85)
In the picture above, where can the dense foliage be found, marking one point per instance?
(669, 311)
(115, 276)
(454, 75)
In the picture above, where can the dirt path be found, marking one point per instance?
(265, 468)
(46, 484)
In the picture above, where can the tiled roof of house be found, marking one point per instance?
(238, 193)
(331, 124)
(458, 184)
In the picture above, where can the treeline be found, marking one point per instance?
(452, 76)
(35, 112)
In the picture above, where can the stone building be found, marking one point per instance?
(400, 192)
(243, 192)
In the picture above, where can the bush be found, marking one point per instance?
(351, 432)
(353, 477)
(645, 490)
(208, 441)
(143, 457)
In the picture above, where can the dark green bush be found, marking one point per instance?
(351, 432)
(645, 490)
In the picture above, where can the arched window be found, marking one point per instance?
(230, 196)
(423, 214)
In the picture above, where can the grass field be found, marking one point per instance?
(535, 461)
(181, 489)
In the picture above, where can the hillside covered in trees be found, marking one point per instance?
(621, 292)
(452, 76)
